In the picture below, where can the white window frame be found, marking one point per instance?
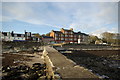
(71, 35)
(66, 35)
(62, 38)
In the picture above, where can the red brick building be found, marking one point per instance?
(69, 36)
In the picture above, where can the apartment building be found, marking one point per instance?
(69, 36)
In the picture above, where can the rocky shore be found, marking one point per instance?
(23, 72)
(107, 67)
(8, 47)
(22, 61)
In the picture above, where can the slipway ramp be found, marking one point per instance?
(66, 67)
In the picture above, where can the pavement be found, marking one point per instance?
(67, 68)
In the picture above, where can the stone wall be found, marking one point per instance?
(90, 47)
(20, 46)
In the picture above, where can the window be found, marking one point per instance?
(71, 36)
(66, 39)
(15, 35)
(70, 39)
(56, 38)
(8, 33)
(75, 39)
(83, 36)
(22, 35)
(62, 38)
(66, 32)
(79, 36)
(28, 33)
(83, 40)
(62, 35)
(56, 34)
(66, 35)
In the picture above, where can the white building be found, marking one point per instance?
(11, 36)
(7, 36)
(18, 37)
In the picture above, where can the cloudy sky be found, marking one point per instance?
(42, 17)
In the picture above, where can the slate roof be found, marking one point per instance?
(12, 34)
(59, 32)
(79, 33)
(4, 33)
(18, 35)
(46, 37)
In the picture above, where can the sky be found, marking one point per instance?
(42, 17)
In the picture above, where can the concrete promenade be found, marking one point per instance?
(66, 67)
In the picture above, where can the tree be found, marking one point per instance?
(111, 38)
(48, 34)
(93, 38)
(43, 35)
(37, 35)
(108, 37)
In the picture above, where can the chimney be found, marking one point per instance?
(12, 32)
(24, 30)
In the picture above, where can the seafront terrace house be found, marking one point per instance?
(17, 37)
(11, 36)
(6, 36)
(69, 36)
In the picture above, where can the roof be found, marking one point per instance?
(59, 32)
(79, 33)
(35, 33)
(18, 35)
(66, 29)
(46, 37)
(4, 33)
(76, 33)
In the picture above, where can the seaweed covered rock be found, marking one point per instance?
(23, 72)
